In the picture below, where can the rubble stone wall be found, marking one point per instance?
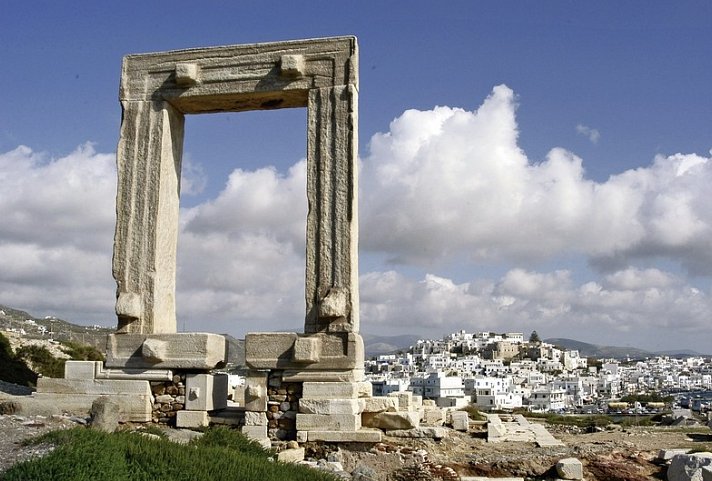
(168, 398)
(282, 407)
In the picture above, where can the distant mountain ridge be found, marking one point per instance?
(55, 328)
(616, 352)
(374, 344)
(377, 345)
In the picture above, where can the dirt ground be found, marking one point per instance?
(14, 429)
(612, 455)
(615, 454)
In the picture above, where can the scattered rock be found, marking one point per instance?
(392, 420)
(10, 407)
(688, 467)
(294, 455)
(666, 455)
(181, 436)
(421, 432)
(460, 420)
(364, 473)
(569, 468)
(105, 414)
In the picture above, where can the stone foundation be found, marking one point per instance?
(282, 407)
(168, 399)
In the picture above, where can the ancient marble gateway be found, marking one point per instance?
(304, 386)
(157, 91)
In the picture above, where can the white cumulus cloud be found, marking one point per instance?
(592, 134)
(648, 302)
(449, 183)
(57, 231)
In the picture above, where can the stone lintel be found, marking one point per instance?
(317, 352)
(195, 350)
(233, 78)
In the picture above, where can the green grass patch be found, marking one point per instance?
(221, 454)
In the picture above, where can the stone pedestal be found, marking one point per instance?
(195, 350)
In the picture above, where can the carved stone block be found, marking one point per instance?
(167, 351)
(206, 392)
(307, 349)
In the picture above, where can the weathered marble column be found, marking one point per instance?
(147, 204)
(332, 222)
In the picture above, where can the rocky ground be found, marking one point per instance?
(611, 455)
(614, 454)
(14, 429)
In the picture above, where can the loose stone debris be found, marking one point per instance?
(518, 429)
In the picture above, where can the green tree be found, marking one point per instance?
(41, 360)
(82, 352)
(12, 369)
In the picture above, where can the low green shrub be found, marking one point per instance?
(580, 421)
(12, 369)
(474, 413)
(42, 360)
(83, 454)
(23, 366)
(81, 352)
(637, 421)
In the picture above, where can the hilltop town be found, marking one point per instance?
(506, 372)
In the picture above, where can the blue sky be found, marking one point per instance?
(520, 166)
